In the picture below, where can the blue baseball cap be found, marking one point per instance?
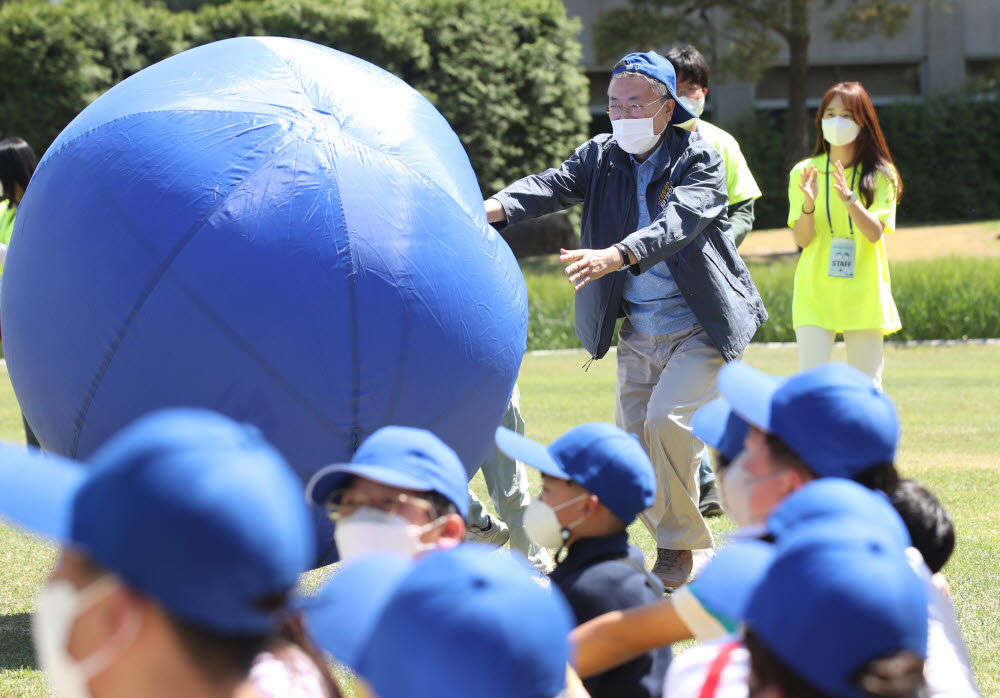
(833, 416)
(840, 504)
(447, 630)
(601, 458)
(652, 64)
(186, 506)
(341, 615)
(829, 604)
(713, 605)
(717, 425)
(406, 457)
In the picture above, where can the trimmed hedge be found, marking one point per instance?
(507, 76)
(947, 150)
(951, 298)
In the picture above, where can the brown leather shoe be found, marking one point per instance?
(673, 567)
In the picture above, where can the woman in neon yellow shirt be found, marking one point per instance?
(842, 200)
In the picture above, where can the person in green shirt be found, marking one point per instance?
(692, 90)
(17, 163)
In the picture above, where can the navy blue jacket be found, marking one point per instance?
(607, 574)
(690, 230)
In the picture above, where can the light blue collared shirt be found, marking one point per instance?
(653, 302)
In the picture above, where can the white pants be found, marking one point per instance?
(864, 349)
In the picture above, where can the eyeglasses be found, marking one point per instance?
(634, 111)
(345, 502)
(689, 91)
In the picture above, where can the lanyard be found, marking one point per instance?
(854, 173)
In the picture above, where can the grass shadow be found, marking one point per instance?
(16, 650)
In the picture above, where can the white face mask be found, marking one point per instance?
(695, 106)
(737, 488)
(59, 605)
(636, 136)
(369, 530)
(542, 525)
(840, 131)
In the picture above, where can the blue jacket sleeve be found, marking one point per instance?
(552, 190)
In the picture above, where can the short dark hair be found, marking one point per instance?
(689, 65)
(17, 164)
(442, 506)
(221, 657)
(782, 452)
(930, 526)
(882, 478)
(898, 675)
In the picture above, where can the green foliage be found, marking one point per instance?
(507, 76)
(380, 31)
(763, 145)
(50, 73)
(753, 30)
(949, 298)
(946, 150)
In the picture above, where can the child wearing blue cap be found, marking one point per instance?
(837, 616)
(441, 625)
(181, 540)
(404, 491)
(596, 479)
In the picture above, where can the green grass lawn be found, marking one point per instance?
(947, 398)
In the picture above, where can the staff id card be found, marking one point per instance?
(841, 258)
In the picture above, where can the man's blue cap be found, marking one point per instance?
(186, 506)
(833, 416)
(838, 503)
(717, 425)
(599, 457)
(829, 604)
(342, 614)
(466, 621)
(406, 457)
(652, 64)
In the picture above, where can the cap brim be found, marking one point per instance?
(727, 583)
(709, 422)
(38, 490)
(341, 616)
(332, 477)
(680, 113)
(530, 453)
(749, 392)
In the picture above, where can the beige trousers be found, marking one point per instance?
(662, 381)
(864, 349)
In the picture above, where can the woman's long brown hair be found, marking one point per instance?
(870, 147)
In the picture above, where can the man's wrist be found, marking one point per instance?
(810, 211)
(623, 252)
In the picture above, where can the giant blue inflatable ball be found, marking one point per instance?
(271, 229)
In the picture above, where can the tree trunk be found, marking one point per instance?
(796, 145)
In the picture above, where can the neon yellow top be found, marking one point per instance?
(7, 214)
(740, 184)
(860, 303)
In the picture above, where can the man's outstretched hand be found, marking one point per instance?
(588, 265)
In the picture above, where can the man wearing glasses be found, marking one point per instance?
(404, 491)
(654, 205)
